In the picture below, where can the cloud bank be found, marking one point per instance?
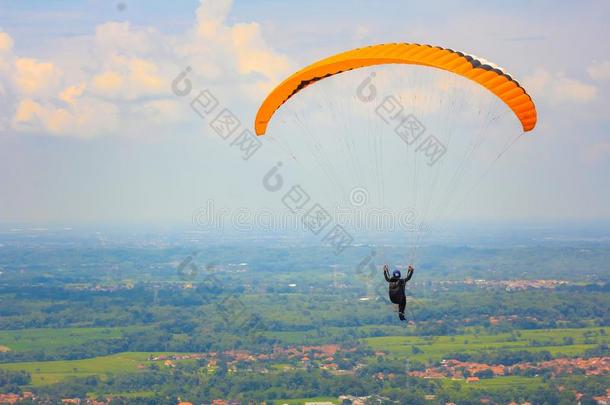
(116, 82)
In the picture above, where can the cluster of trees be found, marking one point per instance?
(598, 351)
(10, 381)
(502, 356)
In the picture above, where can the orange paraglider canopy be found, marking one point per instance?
(485, 73)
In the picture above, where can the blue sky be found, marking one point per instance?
(90, 131)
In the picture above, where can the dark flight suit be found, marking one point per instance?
(397, 290)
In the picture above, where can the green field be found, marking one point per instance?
(51, 339)
(49, 372)
(498, 383)
(437, 347)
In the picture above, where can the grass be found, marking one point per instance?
(494, 383)
(50, 340)
(436, 348)
(50, 372)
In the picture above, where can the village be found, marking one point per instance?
(472, 372)
(514, 285)
(304, 357)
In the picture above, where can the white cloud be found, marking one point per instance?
(115, 38)
(211, 15)
(102, 84)
(558, 88)
(572, 90)
(253, 54)
(236, 53)
(36, 78)
(6, 43)
(537, 82)
(88, 118)
(108, 83)
(361, 32)
(600, 71)
(130, 79)
(69, 94)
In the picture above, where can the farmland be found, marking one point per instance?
(49, 339)
(559, 342)
(50, 372)
(295, 336)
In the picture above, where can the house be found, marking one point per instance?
(9, 398)
(497, 370)
(605, 400)
(331, 366)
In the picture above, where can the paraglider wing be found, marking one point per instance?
(471, 67)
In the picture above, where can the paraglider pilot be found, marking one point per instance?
(397, 288)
